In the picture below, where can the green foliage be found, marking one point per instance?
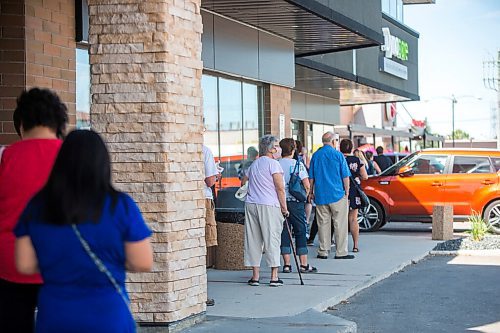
(459, 134)
(479, 227)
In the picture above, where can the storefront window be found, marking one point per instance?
(317, 132)
(211, 113)
(393, 8)
(82, 88)
(251, 117)
(233, 122)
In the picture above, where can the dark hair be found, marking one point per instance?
(345, 146)
(299, 146)
(380, 150)
(79, 182)
(368, 155)
(40, 107)
(287, 146)
(298, 150)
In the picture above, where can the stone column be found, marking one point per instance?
(37, 48)
(277, 100)
(146, 101)
(442, 222)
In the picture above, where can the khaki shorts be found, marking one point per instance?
(210, 224)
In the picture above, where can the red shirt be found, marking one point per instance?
(24, 169)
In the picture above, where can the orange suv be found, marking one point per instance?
(468, 179)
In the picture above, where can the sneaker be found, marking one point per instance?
(349, 256)
(253, 282)
(319, 256)
(210, 302)
(276, 283)
(310, 242)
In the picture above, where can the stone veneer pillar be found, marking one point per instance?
(37, 48)
(277, 100)
(146, 102)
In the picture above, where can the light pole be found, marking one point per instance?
(453, 102)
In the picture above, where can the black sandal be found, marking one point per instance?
(355, 250)
(253, 282)
(287, 268)
(308, 269)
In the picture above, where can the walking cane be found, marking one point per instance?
(293, 250)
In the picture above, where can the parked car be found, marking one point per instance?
(408, 190)
(396, 157)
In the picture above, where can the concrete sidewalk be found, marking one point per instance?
(381, 254)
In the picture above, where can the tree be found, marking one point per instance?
(459, 134)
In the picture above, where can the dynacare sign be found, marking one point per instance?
(393, 46)
(393, 68)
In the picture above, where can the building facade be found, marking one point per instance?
(158, 78)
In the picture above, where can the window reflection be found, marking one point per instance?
(233, 121)
(251, 119)
(393, 8)
(231, 130)
(82, 89)
(317, 132)
(211, 116)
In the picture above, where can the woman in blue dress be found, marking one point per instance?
(79, 206)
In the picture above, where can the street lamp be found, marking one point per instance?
(453, 102)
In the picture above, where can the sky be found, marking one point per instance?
(456, 36)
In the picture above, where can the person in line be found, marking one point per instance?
(301, 153)
(40, 119)
(211, 173)
(264, 210)
(361, 155)
(82, 235)
(297, 218)
(252, 155)
(329, 176)
(358, 171)
(301, 156)
(372, 167)
(383, 161)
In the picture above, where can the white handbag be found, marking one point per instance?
(241, 194)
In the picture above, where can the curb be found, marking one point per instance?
(481, 253)
(353, 291)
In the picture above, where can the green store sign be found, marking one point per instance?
(393, 46)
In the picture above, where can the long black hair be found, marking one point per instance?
(79, 182)
(40, 107)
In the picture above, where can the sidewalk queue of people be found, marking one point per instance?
(66, 235)
(54, 189)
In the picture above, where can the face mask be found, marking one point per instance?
(277, 154)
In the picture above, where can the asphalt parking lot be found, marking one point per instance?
(438, 294)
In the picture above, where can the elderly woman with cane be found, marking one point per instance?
(264, 210)
(296, 208)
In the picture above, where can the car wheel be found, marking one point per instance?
(492, 216)
(370, 218)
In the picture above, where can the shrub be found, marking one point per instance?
(479, 227)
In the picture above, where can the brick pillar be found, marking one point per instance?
(37, 48)
(146, 83)
(51, 49)
(277, 100)
(12, 69)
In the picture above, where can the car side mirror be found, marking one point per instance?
(405, 171)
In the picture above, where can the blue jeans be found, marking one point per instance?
(298, 225)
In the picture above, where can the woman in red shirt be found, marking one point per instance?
(40, 119)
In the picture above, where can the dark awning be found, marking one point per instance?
(355, 128)
(315, 78)
(313, 27)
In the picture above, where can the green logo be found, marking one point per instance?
(394, 47)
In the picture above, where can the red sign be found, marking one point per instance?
(418, 123)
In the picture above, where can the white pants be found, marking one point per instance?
(263, 227)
